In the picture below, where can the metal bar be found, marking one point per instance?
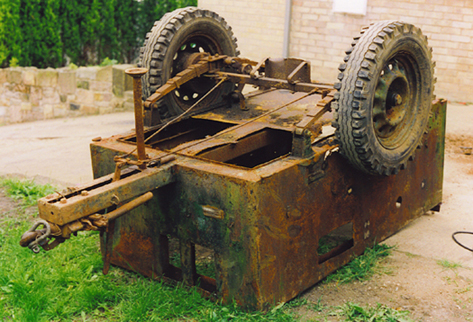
(294, 72)
(189, 272)
(245, 145)
(181, 78)
(257, 67)
(108, 247)
(276, 83)
(162, 254)
(129, 206)
(63, 211)
(136, 73)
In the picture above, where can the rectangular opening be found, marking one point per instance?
(200, 258)
(335, 243)
(182, 132)
(253, 150)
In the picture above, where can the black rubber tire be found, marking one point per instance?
(205, 31)
(383, 103)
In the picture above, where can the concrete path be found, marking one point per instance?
(59, 150)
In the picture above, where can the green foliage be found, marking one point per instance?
(107, 62)
(51, 33)
(10, 31)
(14, 62)
(41, 42)
(361, 267)
(380, 313)
(26, 191)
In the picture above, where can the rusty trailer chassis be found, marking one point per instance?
(256, 179)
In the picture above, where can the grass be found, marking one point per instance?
(354, 312)
(362, 267)
(448, 264)
(380, 313)
(26, 191)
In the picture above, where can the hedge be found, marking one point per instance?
(53, 33)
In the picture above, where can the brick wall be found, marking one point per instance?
(321, 36)
(258, 25)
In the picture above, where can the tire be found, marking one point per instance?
(173, 39)
(383, 103)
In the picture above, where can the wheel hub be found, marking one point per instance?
(190, 52)
(391, 113)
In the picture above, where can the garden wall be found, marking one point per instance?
(29, 93)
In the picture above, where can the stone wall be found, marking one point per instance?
(320, 35)
(29, 93)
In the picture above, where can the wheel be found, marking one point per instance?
(173, 44)
(384, 97)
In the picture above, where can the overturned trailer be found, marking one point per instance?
(283, 184)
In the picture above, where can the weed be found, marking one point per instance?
(361, 267)
(411, 255)
(297, 302)
(27, 191)
(463, 290)
(380, 313)
(448, 264)
(318, 307)
(451, 280)
(459, 303)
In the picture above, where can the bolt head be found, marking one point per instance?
(397, 99)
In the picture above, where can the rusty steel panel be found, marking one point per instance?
(268, 222)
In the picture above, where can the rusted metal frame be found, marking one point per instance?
(111, 226)
(105, 196)
(179, 117)
(276, 83)
(60, 233)
(302, 138)
(315, 113)
(180, 79)
(245, 145)
(295, 71)
(231, 129)
(257, 67)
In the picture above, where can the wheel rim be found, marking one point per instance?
(395, 101)
(188, 53)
